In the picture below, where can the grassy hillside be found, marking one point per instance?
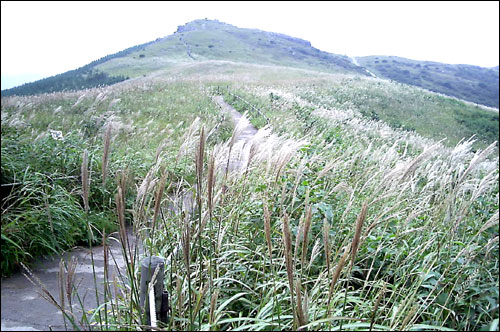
(213, 40)
(40, 173)
(402, 106)
(336, 221)
(409, 108)
(476, 84)
(203, 40)
(81, 78)
(198, 40)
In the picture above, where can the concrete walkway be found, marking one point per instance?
(23, 309)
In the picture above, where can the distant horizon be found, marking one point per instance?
(454, 33)
(30, 78)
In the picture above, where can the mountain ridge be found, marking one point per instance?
(468, 82)
(203, 39)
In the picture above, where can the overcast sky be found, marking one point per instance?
(40, 39)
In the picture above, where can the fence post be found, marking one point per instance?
(148, 267)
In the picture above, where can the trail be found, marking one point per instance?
(238, 158)
(23, 309)
(188, 48)
(353, 59)
(247, 132)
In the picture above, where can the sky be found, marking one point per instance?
(41, 39)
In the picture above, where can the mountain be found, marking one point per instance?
(204, 40)
(472, 83)
(199, 40)
(81, 78)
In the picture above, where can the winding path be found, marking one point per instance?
(355, 61)
(237, 161)
(247, 132)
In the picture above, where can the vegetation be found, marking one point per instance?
(472, 83)
(207, 40)
(78, 79)
(398, 105)
(203, 40)
(326, 219)
(199, 40)
(84, 77)
(41, 173)
(40, 213)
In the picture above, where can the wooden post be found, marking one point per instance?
(148, 267)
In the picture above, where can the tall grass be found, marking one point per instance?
(407, 225)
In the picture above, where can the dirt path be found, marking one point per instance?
(355, 61)
(188, 48)
(23, 309)
(247, 132)
(237, 161)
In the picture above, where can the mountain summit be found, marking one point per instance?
(202, 40)
(199, 40)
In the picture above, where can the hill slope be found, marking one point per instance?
(198, 40)
(81, 78)
(402, 106)
(202, 40)
(472, 83)
(426, 216)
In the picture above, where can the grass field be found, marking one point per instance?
(337, 221)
